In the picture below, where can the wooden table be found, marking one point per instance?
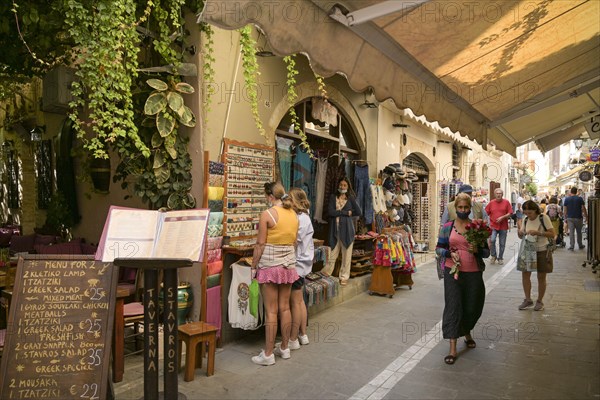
(118, 345)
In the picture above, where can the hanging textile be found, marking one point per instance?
(362, 187)
(304, 174)
(284, 154)
(321, 177)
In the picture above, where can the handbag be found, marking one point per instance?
(253, 300)
(440, 262)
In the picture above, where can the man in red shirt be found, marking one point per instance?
(499, 211)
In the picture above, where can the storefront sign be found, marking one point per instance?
(585, 176)
(595, 155)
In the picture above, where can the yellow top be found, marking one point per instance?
(286, 228)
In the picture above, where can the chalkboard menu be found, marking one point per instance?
(60, 329)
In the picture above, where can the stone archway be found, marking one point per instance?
(307, 90)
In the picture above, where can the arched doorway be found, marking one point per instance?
(338, 152)
(421, 193)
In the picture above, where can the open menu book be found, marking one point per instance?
(137, 233)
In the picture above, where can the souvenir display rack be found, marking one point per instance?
(362, 256)
(420, 208)
(446, 191)
(248, 167)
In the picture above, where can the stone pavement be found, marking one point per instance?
(373, 347)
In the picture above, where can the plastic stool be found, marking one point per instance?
(192, 334)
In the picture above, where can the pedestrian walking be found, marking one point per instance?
(464, 290)
(274, 265)
(519, 210)
(499, 211)
(342, 209)
(534, 253)
(576, 213)
(477, 210)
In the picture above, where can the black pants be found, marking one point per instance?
(464, 300)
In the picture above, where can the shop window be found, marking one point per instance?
(11, 166)
(43, 161)
(455, 162)
(473, 175)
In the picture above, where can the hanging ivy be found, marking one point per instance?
(321, 86)
(208, 71)
(106, 60)
(292, 97)
(251, 73)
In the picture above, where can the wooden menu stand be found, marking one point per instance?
(151, 267)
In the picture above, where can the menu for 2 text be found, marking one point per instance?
(59, 329)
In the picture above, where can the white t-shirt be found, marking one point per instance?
(238, 300)
(519, 205)
(535, 224)
(305, 251)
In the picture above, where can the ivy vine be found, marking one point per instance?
(251, 74)
(208, 71)
(292, 97)
(106, 66)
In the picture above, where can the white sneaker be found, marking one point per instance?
(293, 344)
(285, 354)
(262, 359)
(493, 260)
(501, 262)
(303, 339)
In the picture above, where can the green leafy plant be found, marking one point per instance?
(108, 47)
(251, 73)
(292, 97)
(59, 218)
(164, 179)
(208, 71)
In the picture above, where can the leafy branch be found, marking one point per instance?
(251, 73)
(292, 97)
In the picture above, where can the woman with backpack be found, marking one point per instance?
(534, 254)
(553, 212)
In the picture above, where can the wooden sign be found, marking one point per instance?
(59, 329)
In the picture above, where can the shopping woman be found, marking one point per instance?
(305, 252)
(274, 265)
(534, 256)
(342, 209)
(464, 290)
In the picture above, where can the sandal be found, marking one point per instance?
(450, 359)
(470, 343)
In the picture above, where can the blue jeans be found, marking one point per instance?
(502, 236)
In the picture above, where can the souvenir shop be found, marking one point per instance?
(235, 195)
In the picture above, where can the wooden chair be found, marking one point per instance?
(194, 334)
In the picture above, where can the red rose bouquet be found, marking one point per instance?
(477, 233)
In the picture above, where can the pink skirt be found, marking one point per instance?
(278, 275)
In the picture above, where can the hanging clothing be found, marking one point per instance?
(284, 153)
(331, 182)
(362, 187)
(238, 301)
(303, 173)
(320, 179)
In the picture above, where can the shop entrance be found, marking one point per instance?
(420, 205)
(336, 150)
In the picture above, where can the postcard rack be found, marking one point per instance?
(248, 167)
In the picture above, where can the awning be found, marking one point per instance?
(508, 72)
(549, 142)
(565, 177)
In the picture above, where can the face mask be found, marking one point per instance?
(342, 191)
(462, 215)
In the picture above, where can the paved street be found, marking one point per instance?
(373, 347)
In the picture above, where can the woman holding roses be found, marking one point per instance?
(463, 266)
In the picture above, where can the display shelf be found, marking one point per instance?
(248, 167)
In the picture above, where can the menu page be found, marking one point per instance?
(60, 329)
